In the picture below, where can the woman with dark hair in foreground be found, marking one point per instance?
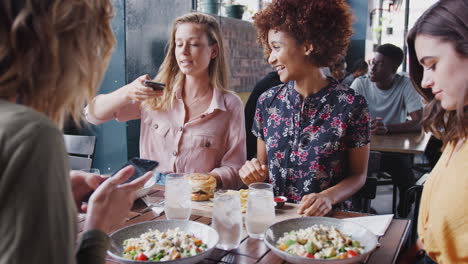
(438, 55)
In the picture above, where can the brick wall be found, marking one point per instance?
(245, 55)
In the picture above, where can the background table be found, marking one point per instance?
(412, 143)
(255, 251)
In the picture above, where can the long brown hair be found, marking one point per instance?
(53, 53)
(169, 72)
(448, 21)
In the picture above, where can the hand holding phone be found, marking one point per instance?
(154, 85)
(141, 166)
(110, 204)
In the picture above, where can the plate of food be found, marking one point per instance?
(163, 241)
(320, 240)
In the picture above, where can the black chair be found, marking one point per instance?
(362, 199)
(414, 193)
(384, 178)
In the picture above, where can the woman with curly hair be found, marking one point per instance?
(313, 133)
(438, 56)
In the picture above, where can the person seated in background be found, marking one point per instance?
(270, 80)
(391, 99)
(180, 126)
(313, 133)
(438, 66)
(45, 77)
(390, 96)
(338, 69)
(358, 69)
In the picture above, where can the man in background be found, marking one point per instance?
(391, 99)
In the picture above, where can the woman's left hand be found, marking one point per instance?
(315, 204)
(111, 202)
(83, 183)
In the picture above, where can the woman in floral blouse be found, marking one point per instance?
(313, 133)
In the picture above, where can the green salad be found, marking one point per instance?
(320, 242)
(161, 246)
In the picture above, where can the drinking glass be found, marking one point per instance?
(177, 202)
(227, 219)
(260, 209)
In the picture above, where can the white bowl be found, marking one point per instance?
(208, 235)
(356, 231)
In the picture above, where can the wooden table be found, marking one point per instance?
(412, 143)
(255, 251)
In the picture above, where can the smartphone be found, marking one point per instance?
(141, 166)
(155, 85)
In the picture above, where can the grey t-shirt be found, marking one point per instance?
(37, 210)
(348, 80)
(394, 104)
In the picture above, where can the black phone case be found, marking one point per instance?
(155, 85)
(141, 166)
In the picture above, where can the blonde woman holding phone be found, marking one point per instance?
(194, 124)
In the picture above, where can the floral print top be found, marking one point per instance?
(307, 140)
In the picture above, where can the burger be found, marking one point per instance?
(203, 186)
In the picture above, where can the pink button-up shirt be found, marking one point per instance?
(213, 142)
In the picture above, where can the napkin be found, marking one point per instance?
(157, 205)
(377, 224)
(158, 210)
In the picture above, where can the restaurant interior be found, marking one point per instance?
(383, 217)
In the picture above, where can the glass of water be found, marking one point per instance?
(227, 219)
(177, 197)
(260, 209)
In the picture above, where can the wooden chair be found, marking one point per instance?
(80, 150)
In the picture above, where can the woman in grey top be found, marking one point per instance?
(53, 55)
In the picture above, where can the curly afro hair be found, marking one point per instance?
(326, 24)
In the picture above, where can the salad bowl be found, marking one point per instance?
(208, 235)
(357, 232)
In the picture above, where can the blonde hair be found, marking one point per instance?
(169, 72)
(54, 53)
